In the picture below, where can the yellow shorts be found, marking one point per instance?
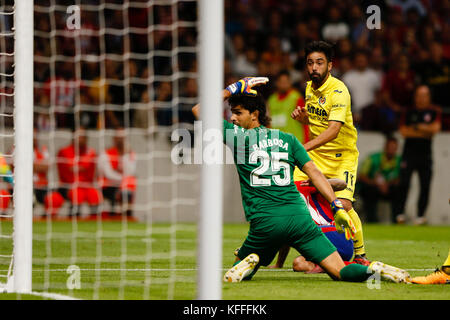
(344, 168)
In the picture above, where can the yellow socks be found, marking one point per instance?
(446, 264)
(358, 241)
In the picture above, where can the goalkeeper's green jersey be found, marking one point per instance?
(265, 160)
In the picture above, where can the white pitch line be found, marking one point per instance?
(48, 295)
(171, 270)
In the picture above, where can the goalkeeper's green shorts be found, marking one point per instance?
(268, 234)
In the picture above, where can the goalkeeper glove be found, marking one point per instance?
(342, 220)
(245, 85)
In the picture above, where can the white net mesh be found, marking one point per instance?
(112, 214)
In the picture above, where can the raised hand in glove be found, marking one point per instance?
(245, 85)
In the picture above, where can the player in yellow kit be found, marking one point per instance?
(332, 144)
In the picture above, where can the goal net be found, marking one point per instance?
(113, 216)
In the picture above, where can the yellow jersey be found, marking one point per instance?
(331, 102)
(337, 158)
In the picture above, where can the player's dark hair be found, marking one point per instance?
(320, 46)
(251, 104)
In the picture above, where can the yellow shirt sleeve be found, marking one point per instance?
(340, 104)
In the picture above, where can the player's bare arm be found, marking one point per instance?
(336, 184)
(196, 109)
(319, 181)
(328, 135)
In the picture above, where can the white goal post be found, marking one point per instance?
(23, 141)
(211, 33)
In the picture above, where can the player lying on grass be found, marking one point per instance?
(440, 276)
(321, 213)
(265, 160)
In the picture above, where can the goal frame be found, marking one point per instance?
(211, 43)
(23, 146)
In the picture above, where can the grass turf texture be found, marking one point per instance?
(112, 267)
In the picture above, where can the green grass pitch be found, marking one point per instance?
(115, 267)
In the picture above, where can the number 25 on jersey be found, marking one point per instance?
(269, 161)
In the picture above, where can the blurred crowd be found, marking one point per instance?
(119, 69)
(381, 67)
(107, 78)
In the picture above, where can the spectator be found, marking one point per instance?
(406, 5)
(76, 164)
(359, 33)
(142, 118)
(162, 104)
(342, 62)
(61, 91)
(395, 28)
(378, 61)
(287, 64)
(253, 33)
(42, 114)
(300, 37)
(135, 88)
(379, 178)
(245, 64)
(398, 85)
(363, 83)
(344, 66)
(435, 73)
(51, 201)
(117, 168)
(335, 28)
(418, 126)
(281, 104)
(243, 59)
(378, 116)
(273, 53)
(275, 35)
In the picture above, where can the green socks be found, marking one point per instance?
(355, 273)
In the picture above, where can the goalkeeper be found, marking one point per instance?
(265, 160)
